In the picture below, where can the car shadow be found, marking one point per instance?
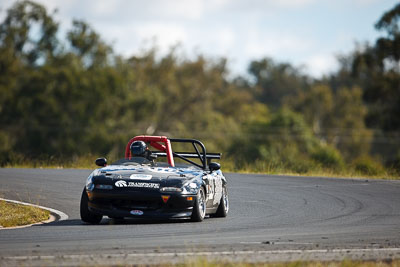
(108, 221)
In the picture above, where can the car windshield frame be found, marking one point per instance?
(132, 161)
(140, 161)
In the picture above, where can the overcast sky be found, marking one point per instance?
(309, 33)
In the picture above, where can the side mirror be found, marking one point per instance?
(102, 162)
(214, 166)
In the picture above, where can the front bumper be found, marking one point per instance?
(139, 204)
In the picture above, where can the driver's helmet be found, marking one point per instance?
(138, 149)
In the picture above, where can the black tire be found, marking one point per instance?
(223, 207)
(199, 207)
(86, 215)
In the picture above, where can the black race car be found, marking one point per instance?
(138, 186)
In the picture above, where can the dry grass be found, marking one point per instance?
(316, 171)
(319, 173)
(228, 165)
(17, 215)
(345, 263)
(202, 262)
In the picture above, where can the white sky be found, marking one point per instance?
(309, 33)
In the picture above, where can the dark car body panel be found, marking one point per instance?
(135, 191)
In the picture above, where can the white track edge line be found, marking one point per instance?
(62, 216)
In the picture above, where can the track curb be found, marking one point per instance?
(55, 215)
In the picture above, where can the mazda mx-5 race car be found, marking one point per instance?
(141, 187)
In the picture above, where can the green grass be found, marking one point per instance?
(12, 214)
(86, 162)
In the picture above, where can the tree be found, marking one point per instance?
(389, 47)
(347, 130)
(337, 118)
(315, 104)
(275, 81)
(87, 44)
(377, 70)
(16, 32)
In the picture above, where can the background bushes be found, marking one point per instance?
(65, 97)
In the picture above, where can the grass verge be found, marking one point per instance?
(12, 214)
(318, 173)
(263, 167)
(202, 262)
(229, 165)
(345, 263)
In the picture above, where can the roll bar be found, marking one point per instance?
(164, 149)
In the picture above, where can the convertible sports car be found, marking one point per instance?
(140, 187)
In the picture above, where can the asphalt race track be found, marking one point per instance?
(271, 218)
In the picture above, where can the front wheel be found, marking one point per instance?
(86, 215)
(223, 207)
(199, 207)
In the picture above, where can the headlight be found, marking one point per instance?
(171, 189)
(89, 183)
(190, 188)
(104, 186)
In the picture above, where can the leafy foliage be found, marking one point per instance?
(275, 81)
(367, 166)
(66, 98)
(328, 157)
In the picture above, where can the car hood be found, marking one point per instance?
(163, 176)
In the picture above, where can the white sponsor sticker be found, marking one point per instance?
(138, 176)
(122, 183)
(218, 190)
(136, 212)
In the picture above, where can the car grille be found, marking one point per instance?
(136, 204)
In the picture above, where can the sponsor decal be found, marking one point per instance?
(218, 190)
(136, 212)
(211, 187)
(137, 176)
(122, 183)
(214, 188)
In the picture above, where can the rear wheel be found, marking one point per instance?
(86, 215)
(223, 207)
(199, 207)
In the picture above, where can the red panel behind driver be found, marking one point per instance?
(154, 141)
